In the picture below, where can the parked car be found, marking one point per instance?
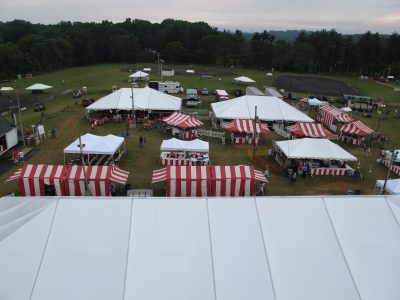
(39, 107)
(77, 94)
(204, 91)
(87, 102)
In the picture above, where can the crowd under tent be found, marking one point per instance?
(8, 136)
(38, 88)
(312, 130)
(354, 132)
(183, 153)
(96, 149)
(183, 126)
(259, 248)
(57, 180)
(200, 181)
(139, 76)
(145, 100)
(244, 80)
(246, 131)
(333, 118)
(322, 156)
(392, 186)
(269, 109)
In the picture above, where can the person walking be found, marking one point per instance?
(144, 141)
(141, 141)
(53, 133)
(292, 177)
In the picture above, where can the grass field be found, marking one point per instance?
(70, 121)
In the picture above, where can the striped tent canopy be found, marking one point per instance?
(67, 180)
(246, 126)
(314, 130)
(182, 121)
(328, 114)
(356, 127)
(196, 181)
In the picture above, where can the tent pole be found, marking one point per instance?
(254, 132)
(87, 190)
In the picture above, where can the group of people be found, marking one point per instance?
(142, 141)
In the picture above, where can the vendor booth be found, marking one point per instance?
(333, 118)
(354, 133)
(321, 156)
(313, 130)
(246, 131)
(197, 181)
(183, 126)
(56, 180)
(392, 186)
(184, 153)
(96, 149)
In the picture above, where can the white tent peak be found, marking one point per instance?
(180, 145)
(95, 144)
(144, 99)
(269, 108)
(244, 79)
(139, 74)
(38, 87)
(314, 149)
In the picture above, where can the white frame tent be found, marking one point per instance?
(244, 80)
(105, 146)
(392, 186)
(184, 150)
(38, 87)
(258, 248)
(139, 75)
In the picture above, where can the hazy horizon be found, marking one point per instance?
(347, 17)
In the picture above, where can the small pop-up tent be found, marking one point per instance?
(354, 132)
(38, 88)
(243, 131)
(243, 80)
(139, 76)
(333, 117)
(185, 125)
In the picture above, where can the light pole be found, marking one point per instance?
(161, 72)
(87, 190)
(392, 158)
(380, 111)
(133, 121)
(254, 131)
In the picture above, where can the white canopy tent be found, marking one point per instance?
(314, 102)
(98, 145)
(139, 75)
(268, 109)
(38, 87)
(269, 248)
(314, 149)
(6, 89)
(244, 80)
(392, 186)
(145, 99)
(179, 145)
(346, 109)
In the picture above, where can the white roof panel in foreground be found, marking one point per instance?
(268, 109)
(279, 248)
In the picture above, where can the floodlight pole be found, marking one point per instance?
(392, 158)
(133, 122)
(19, 114)
(87, 190)
(254, 131)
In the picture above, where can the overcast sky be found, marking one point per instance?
(346, 16)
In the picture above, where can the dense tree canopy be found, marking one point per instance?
(27, 47)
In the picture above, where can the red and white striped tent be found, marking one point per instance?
(329, 115)
(67, 180)
(98, 177)
(182, 121)
(189, 181)
(33, 179)
(197, 181)
(313, 130)
(246, 126)
(357, 128)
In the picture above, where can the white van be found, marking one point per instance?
(168, 87)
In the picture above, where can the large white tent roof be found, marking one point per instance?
(144, 99)
(38, 87)
(180, 145)
(268, 109)
(94, 144)
(303, 248)
(314, 149)
(392, 185)
(244, 79)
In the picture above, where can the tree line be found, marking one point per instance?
(27, 47)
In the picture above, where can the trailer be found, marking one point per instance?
(168, 87)
(221, 95)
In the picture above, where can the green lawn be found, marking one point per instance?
(70, 121)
